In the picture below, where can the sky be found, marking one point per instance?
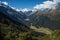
(23, 3)
(30, 4)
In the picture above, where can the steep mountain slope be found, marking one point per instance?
(4, 19)
(13, 14)
(9, 28)
(47, 18)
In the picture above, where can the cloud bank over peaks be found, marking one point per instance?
(47, 4)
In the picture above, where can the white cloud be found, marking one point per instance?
(46, 4)
(5, 3)
(34, 10)
(56, 1)
(25, 10)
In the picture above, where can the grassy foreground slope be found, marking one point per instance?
(10, 33)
